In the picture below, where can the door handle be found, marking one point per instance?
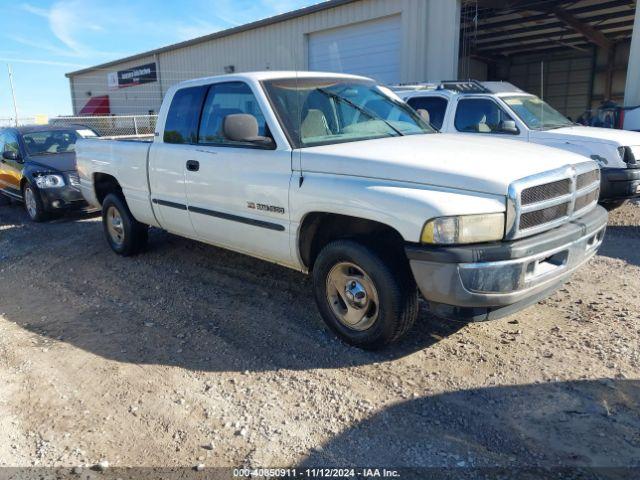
(193, 165)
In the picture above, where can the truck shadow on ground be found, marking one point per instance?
(181, 303)
(618, 241)
(564, 424)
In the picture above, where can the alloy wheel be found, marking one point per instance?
(352, 296)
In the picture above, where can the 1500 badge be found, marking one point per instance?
(265, 208)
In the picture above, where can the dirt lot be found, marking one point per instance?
(189, 355)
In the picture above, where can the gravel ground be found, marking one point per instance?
(189, 354)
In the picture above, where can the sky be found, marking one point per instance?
(43, 40)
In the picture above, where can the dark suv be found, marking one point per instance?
(38, 167)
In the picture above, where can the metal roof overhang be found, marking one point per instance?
(502, 28)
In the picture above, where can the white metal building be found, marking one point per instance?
(577, 53)
(391, 40)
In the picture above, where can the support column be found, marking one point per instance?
(443, 39)
(632, 88)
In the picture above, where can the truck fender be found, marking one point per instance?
(403, 207)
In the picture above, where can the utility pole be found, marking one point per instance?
(13, 95)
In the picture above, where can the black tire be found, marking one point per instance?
(397, 294)
(610, 206)
(35, 210)
(134, 235)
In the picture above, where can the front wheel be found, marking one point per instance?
(33, 203)
(367, 301)
(125, 235)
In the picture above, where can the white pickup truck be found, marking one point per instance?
(501, 109)
(334, 175)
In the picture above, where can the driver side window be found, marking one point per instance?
(481, 115)
(226, 99)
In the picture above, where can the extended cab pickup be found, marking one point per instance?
(334, 175)
(500, 109)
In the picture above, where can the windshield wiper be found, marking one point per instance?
(368, 113)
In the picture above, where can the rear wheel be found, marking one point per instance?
(366, 300)
(33, 203)
(125, 235)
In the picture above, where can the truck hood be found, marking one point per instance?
(61, 162)
(579, 134)
(462, 162)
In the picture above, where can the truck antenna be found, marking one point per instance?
(542, 90)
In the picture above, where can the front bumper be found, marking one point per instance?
(63, 198)
(487, 281)
(619, 184)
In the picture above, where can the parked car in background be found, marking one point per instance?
(38, 168)
(502, 110)
(334, 175)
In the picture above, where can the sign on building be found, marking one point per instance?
(132, 76)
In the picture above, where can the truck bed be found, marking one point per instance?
(124, 159)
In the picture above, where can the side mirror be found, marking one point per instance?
(11, 155)
(242, 127)
(509, 126)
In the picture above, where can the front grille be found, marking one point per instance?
(547, 200)
(540, 193)
(586, 179)
(585, 200)
(74, 179)
(546, 215)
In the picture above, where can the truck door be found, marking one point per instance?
(238, 191)
(168, 159)
(10, 170)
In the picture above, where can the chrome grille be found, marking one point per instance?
(586, 179)
(74, 179)
(544, 201)
(546, 215)
(545, 192)
(586, 200)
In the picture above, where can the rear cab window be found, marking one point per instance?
(181, 125)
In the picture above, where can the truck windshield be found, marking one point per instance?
(536, 113)
(323, 111)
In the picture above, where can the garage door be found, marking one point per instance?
(369, 48)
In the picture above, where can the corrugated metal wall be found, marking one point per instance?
(573, 82)
(429, 50)
(567, 80)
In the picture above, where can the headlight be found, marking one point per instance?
(464, 229)
(50, 181)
